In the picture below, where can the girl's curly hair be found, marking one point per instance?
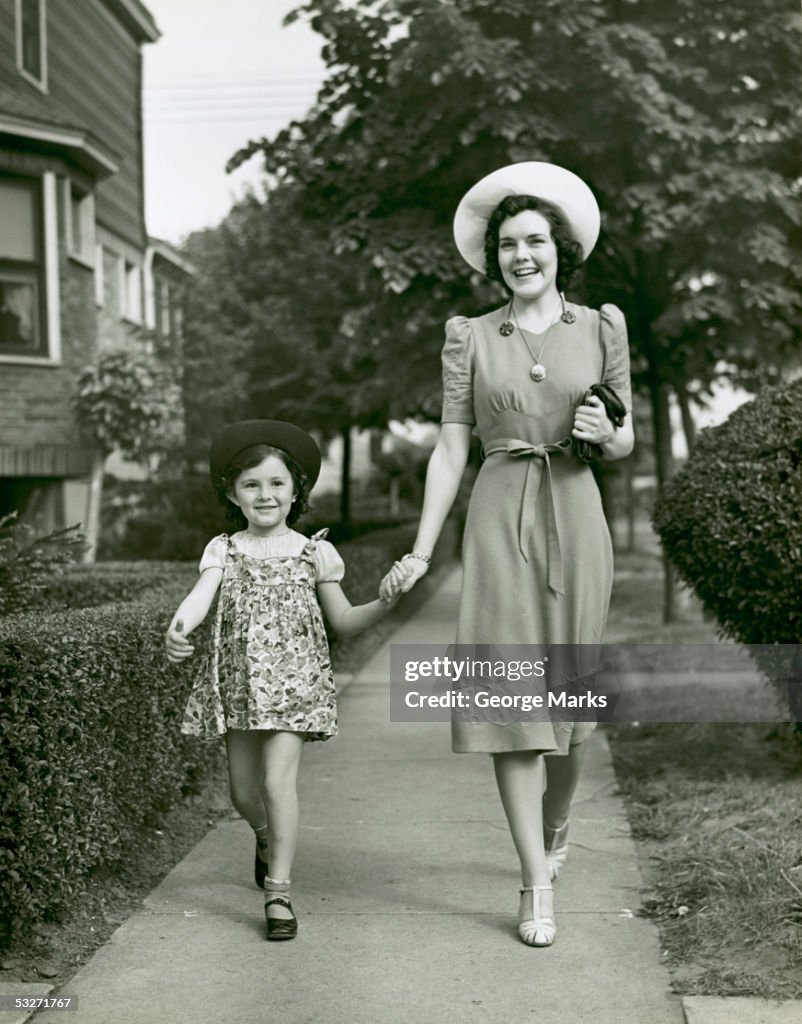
(247, 459)
(569, 251)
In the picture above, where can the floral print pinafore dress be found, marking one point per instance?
(268, 665)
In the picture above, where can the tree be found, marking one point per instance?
(281, 327)
(126, 402)
(682, 118)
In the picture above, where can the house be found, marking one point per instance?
(78, 273)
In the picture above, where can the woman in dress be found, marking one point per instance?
(537, 555)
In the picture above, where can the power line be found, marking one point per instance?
(226, 119)
(234, 82)
(194, 101)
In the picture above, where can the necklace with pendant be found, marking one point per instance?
(538, 370)
(507, 327)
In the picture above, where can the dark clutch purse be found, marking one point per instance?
(616, 413)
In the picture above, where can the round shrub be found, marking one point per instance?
(731, 520)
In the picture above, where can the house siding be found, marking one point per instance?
(91, 114)
(94, 71)
(8, 41)
(102, 95)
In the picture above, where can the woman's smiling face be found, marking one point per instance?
(527, 255)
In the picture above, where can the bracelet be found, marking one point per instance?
(418, 554)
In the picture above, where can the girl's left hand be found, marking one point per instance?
(392, 584)
(591, 422)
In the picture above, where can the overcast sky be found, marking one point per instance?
(223, 72)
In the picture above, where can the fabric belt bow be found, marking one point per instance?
(526, 519)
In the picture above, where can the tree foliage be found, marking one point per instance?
(29, 563)
(128, 402)
(281, 325)
(680, 116)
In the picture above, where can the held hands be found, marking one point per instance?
(178, 647)
(591, 422)
(402, 578)
(392, 585)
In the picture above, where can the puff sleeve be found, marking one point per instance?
(616, 353)
(330, 567)
(214, 555)
(458, 363)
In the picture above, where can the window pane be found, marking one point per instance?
(18, 217)
(19, 328)
(132, 297)
(76, 221)
(163, 312)
(31, 38)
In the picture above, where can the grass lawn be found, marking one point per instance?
(716, 810)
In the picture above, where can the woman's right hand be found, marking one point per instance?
(178, 647)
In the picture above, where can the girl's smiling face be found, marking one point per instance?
(527, 255)
(265, 494)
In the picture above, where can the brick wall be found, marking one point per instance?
(35, 401)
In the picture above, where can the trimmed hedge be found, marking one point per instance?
(731, 519)
(90, 713)
(90, 747)
(87, 586)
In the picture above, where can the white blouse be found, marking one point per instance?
(330, 567)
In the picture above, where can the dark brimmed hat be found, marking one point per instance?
(238, 436)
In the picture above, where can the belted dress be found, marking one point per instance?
(537, 554)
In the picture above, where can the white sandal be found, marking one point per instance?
(555, 842)
(537, 930)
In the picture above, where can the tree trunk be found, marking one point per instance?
(395, 494)
(664, 464)
(688, 425)
(629, 481)
(345, 480)
(93, 506)
(605, 489)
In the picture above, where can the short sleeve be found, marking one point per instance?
(616, 353)
(458, 362)
(330, 567)
(214, 556)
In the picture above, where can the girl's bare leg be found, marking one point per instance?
(281, 758)
(244, 748)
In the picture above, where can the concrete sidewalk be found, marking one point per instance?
(406, 888)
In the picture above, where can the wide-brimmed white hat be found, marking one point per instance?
(563, 188)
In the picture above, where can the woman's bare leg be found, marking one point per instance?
(562, 776)
(519, 776)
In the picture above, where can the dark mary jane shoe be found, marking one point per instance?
(279, 927)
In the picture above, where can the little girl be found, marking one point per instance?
(267, 681)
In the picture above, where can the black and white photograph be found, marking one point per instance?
(400, 511)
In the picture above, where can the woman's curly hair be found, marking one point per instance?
(569, 251)
(247, 459)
